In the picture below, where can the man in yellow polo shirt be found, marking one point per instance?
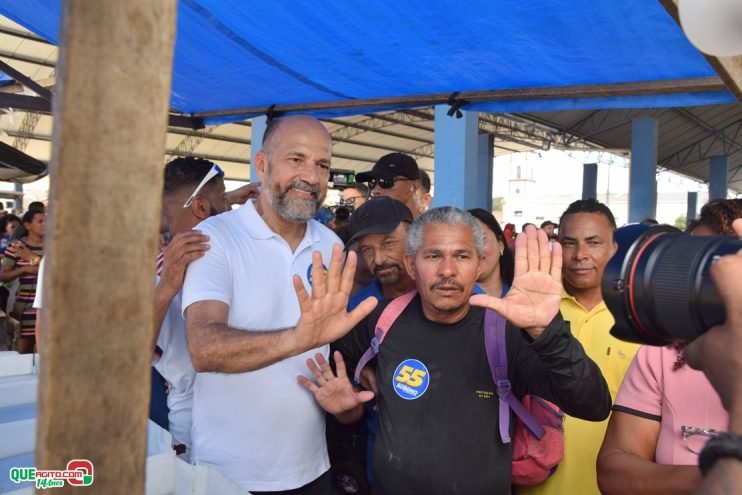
(586, 235)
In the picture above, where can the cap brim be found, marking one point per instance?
(374, 174)
(384, 228)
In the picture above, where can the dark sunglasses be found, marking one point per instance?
(384, 183)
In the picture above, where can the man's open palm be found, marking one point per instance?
(334, 393)
(536, 291)
(324, 316)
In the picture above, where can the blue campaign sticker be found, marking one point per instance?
(411, 379)
(309, 272)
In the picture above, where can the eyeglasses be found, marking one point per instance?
(213, 172)
(351, 201)
(695, 438)
(384, 183)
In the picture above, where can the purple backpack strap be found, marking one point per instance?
(386, 320)
(497, 356)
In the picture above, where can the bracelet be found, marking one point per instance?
(725, 445)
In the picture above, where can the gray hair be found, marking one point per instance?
(449, 215)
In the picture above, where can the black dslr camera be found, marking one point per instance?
(342, 211)
(657, 285)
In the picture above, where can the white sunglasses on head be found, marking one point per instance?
(213, 172)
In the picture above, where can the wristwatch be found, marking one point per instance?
(35, 261)
(725, 445)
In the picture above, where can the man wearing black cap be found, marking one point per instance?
(395, 175)
(380, 228)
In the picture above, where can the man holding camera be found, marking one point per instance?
(586, 234)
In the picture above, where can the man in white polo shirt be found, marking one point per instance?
(243, 302)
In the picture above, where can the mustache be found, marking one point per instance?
(386, 266)
(303, 186)
(447, 284)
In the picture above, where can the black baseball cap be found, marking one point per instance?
(391, 166)
(548, 222)
(379, 215)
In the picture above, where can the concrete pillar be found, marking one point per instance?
(718, 170)
(692, 212)
(590, 181)
(106, 182)
(456, 159)
(18, 202)
(642, 176)
(486, 153)
(257, 127)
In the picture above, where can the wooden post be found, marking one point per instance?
(110, 117)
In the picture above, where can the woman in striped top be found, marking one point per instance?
(21, 261)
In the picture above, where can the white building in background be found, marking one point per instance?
(539, 186)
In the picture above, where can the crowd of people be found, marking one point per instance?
(22, 241)
(272, 329)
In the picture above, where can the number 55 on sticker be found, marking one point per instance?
(411, 379)
(411, 376)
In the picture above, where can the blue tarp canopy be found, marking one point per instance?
(234, 54)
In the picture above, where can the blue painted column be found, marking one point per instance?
(718, 170)
(258, 126)
(642, 176)
(18, 202)
(692, 212)
(589, 181)
(456, 157)
(486, 153)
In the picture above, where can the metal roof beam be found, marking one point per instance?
(682, 156)
(409, 122)
(26, 81)
(379, 146)
(372, 124)
(517, 129)
(27, 59)
(690, 116)
(353, 158)
(348, 131)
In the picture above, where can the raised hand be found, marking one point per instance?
(536, 291)
(240, 195)
(324, 316)
(334, 393)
